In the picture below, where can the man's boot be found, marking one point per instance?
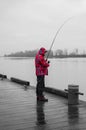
(42, 98)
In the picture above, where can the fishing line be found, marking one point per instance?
(56, 36)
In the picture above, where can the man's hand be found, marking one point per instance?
(48, 62)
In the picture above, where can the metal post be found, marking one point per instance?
(73, 96)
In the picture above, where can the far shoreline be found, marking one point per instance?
(60, 56)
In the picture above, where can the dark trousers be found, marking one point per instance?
(40, 85)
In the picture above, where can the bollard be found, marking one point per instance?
(73, 96)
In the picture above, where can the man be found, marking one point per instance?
(41, 65)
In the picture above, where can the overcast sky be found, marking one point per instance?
(30, 24)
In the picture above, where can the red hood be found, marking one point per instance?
(42, 51)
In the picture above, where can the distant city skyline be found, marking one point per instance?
(31, 24)
(54, 52)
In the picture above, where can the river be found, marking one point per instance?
(61, 73)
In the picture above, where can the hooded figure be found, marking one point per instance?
(41, 66)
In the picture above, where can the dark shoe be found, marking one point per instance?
(42, 99)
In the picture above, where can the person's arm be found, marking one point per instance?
(44, 62)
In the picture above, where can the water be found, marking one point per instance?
(62, 72)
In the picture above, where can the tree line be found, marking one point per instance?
(57, 53)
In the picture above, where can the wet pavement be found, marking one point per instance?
(19, 110)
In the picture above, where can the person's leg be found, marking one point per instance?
(42, 85)
(40, 88)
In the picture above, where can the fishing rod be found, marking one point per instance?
(56, 36)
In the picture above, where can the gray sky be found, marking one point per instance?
(30, 24)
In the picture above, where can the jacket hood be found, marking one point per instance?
(42, 51)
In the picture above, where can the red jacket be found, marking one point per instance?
(40, 63)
